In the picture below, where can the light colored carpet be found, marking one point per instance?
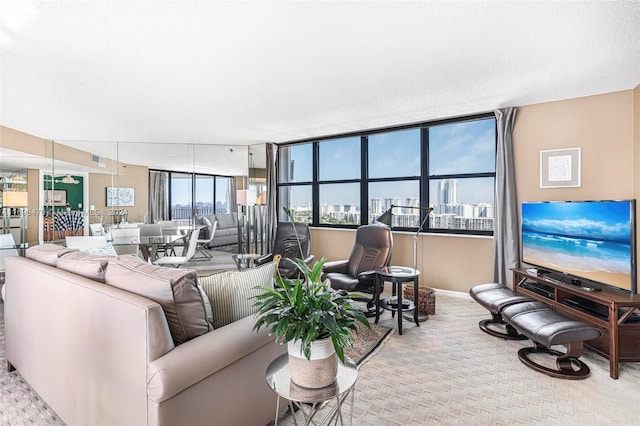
(219, 261)
(448, 372)
(445, 372)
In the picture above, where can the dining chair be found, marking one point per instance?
(178, 261)
(96, 229)
(203, 242)
(121, 236)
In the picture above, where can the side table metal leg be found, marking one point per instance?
(353, 392)
(376, 296)
(416, 284)
(399, 293)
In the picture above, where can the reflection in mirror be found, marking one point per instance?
(21, 159)
(75, 184)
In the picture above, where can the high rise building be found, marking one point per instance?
(448, 191)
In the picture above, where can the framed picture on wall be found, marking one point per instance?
(56, 197)
(560, 168)
(120, 197)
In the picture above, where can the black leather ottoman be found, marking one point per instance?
(546, 327)
(495, 297)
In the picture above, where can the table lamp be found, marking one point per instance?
(19, 200)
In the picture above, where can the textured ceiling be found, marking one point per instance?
(250, 72)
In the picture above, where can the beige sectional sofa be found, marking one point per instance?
(226, 231)
(102, 355)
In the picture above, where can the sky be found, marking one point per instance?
(454, 148)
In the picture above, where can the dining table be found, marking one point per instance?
(148, 244)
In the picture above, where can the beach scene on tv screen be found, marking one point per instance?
(591, 240)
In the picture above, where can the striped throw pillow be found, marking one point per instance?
(230, 292)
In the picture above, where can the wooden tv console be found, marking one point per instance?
(614, 312)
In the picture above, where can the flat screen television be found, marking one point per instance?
(582, 240)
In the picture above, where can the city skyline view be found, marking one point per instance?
(394, 173)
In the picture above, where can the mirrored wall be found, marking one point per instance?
(71, 185)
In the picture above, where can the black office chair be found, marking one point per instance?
(288, 244)
(372, 250)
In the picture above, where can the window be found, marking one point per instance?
(224, 186)
(352, 180)
(204, 194)
(180, 195)
(462, 169)
(339, 181)
(198, 194)
(298, 199)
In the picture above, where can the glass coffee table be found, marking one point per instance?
(310, 401)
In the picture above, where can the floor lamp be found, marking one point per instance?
(245, 199)
(387, 217)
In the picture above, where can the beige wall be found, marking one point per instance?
(129, 176)
(636, 141)
(445, 261)
(126, 175)
(602, 126)
(605, 127)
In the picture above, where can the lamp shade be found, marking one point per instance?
(246, 197)
(386, 217)
(15, 199)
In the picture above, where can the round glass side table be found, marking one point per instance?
(310, 401)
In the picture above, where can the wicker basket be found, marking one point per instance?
(426, 299)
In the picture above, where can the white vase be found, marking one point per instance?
(318, 371)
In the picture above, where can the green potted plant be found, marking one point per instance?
(316, 321)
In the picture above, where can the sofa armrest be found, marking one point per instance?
(202, 357)
(335, 266)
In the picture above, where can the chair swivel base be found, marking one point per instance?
(569, 366)
(509, 332)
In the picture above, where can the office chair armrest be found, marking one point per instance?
(336, 266)
(261, 260)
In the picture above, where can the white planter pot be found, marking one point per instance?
(318, 371)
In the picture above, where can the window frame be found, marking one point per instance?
(424, 178)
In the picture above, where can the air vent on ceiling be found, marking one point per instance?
(97, 160)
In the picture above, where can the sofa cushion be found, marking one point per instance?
(183, 301)
(231, 292)
(84, 264)
(226, 221)
(47, 253)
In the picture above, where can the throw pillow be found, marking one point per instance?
(231, 292)
(185, 305)
(226, 221)
(84, 264)
(46, 253)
